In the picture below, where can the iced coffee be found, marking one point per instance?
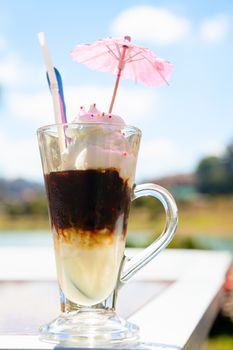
(89, 188)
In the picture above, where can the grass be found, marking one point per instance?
(24, 222)
(220, 337)
(202, 216)
(221, 342)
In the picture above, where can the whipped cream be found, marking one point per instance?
(99, 147)
(95, 116)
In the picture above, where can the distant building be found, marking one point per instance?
(182, 186)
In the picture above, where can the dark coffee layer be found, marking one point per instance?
(87, 199)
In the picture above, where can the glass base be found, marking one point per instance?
(90, 328)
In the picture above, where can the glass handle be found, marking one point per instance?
(131, 266)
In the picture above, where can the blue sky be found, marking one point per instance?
(181, 123)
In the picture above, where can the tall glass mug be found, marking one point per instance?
(89, 171)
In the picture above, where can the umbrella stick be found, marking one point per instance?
(120, 68)
(115, 91)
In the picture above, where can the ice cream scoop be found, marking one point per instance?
(100, 144)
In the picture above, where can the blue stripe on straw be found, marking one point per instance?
(61, 93)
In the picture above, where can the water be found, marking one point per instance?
(214, 243)
(41, 238)
(18, 238)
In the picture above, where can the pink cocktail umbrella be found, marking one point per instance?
(122, 57)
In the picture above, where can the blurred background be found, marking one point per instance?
(187, 143)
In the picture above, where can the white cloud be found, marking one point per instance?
(161, 157)
(151, 24)
(10, 71)
(20, 158)
(214, 30)
(132, 104)
(32, 107)
(212, 147)
(36, 110)
(2, 43)
(14, 71)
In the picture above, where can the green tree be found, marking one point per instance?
(229, 165)
(213, 176)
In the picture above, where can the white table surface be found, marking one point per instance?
(177, 318)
